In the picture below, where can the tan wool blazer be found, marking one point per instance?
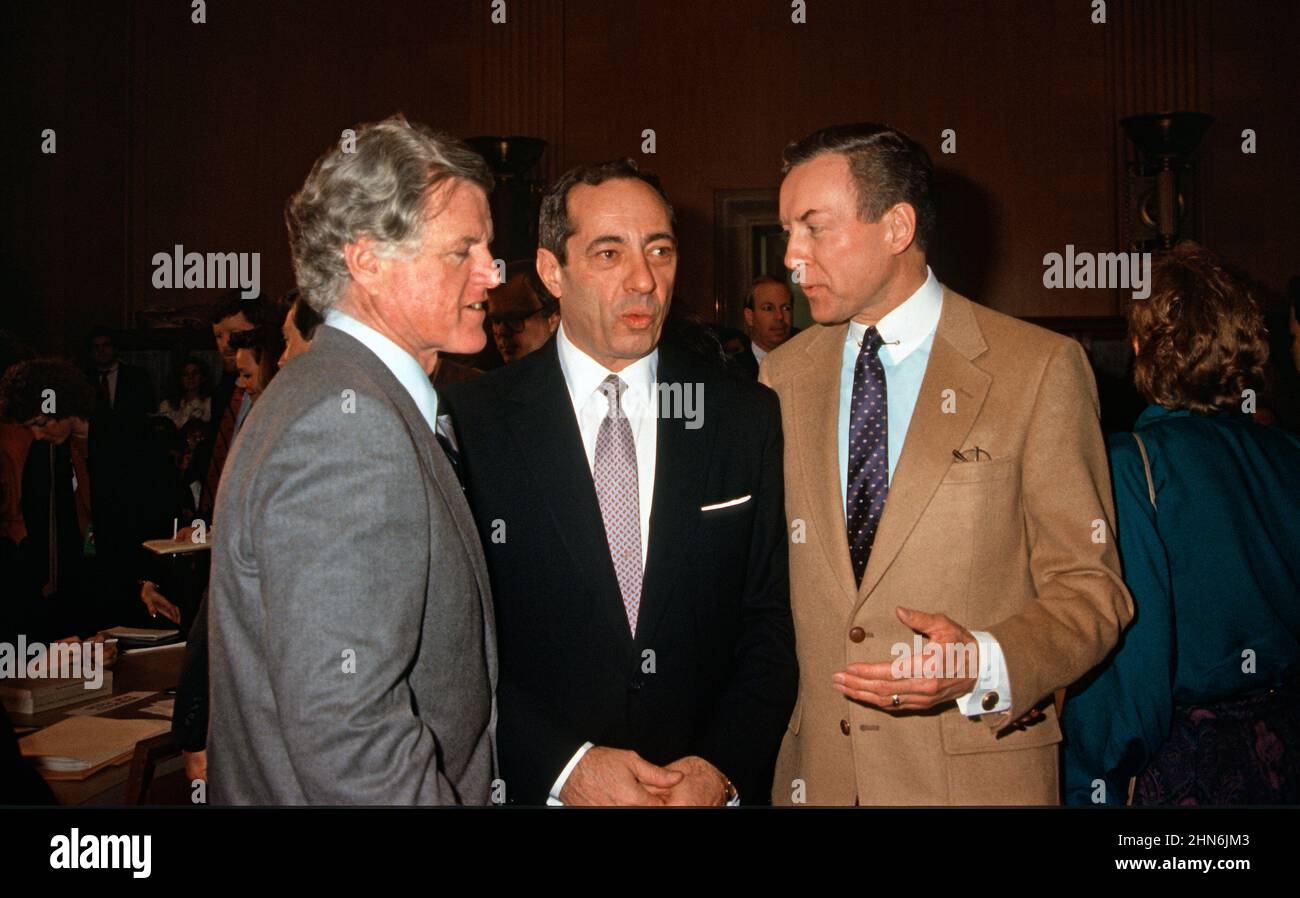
(1019, 543)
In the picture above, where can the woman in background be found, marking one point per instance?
(1200, 702)
(257, 358)
(191, 395)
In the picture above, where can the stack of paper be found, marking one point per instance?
(141, 635)
(76, 747)
(22, 696)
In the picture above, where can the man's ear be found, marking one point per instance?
(548, 269)
(901, 230)
(364, 264)
(749, 317)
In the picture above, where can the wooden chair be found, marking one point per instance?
(149, 753)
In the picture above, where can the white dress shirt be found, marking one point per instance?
(759, 352)
(396, 359)
(583, 375)
(908, 332)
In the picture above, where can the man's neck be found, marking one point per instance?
(609, 363)
(358, 306)
(894, 294)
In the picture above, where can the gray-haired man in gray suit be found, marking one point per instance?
(353, 656)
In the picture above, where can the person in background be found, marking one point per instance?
(299, 327)
(258, 354)
(769, 315)
(15, 441)
(1201, 703)
(190, 397)
(96, 480)
(231, 314)
(736, 347)
(190, 712)
(522, 313)
(123, 389)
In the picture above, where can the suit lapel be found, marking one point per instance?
(681, 463)
(434, 461)
(546, 435)
(817, 433)
(933, 432)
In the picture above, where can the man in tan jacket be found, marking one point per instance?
(952, 559)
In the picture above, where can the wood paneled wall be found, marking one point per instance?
(174, 132)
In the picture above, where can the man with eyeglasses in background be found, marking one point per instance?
(522, 314)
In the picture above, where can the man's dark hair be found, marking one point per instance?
(888, 168)
(99, 330)
(266, 343)
(305, 318)
(758, 282)
(22, 391)
(256, 308)
(556, 227)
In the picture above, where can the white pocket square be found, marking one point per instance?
(728, 504)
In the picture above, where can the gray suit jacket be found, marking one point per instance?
(353, 653)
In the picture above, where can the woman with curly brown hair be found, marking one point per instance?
(1200, 702)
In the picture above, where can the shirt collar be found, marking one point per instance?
(908, 325)
(1154, 412)
(583, 375)
(396, 359)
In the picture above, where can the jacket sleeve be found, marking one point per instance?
(1081, 604)
(1120, 715)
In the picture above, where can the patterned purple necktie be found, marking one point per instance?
(868, 476)
(618, 492)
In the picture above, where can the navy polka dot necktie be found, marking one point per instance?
(868, 476)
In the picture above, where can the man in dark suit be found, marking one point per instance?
(125, 390)
(629, 496)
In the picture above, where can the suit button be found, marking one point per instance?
(844, 727)
(857, 634)
(990, 701)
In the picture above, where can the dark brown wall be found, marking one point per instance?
(172, 132)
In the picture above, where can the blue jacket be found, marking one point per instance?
(1214, 569)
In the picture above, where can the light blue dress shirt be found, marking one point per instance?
(908, 332)
(396, 359)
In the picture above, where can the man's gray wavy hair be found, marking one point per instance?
(379, 190)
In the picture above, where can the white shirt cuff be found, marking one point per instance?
(993, 678)
(553, 800)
